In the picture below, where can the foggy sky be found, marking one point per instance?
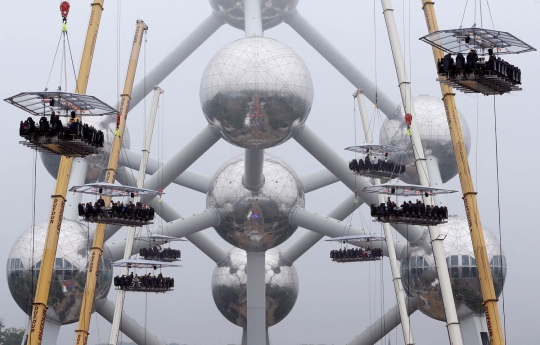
(336, 302)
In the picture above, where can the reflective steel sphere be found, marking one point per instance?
(255, 220)
(254, 91)
(69, 274)
(96, 163)
(420, 276)
(274, 12)
(230, 292)
(435, 134)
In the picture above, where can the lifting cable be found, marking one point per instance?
(499, 213)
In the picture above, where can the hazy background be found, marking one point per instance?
(336, 302)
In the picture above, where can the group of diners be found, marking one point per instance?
(159, 253)
(147, 282)
(409, 210)
(356, 254)
(73, 129)
(376, 165)
(119, 210)
(472, 65)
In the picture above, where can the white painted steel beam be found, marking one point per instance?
(330, 227)
(392, 257)
(335, 164)
(341, 63)
(77, 177)
(129, 326)
(188, 179)
(383, 325)
(308, 240)
(252, 18)
(256, 298)
(253, 178)
(120, 294)
(165, 67)
(169, 214)
(181, 161)
(318, 180)
(452, 321)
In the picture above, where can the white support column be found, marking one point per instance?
(253, 178)
(398, 283)
(396, 274)
(120, 295)
(452, 322)
(175, 58)
(383, 325)
(252, 18)
(435, 178)
(256, 298)
(77, 177)
(472, 328)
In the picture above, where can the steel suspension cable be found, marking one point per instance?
(499, 214)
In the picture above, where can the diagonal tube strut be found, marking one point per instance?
(383, 325)
(165, 67)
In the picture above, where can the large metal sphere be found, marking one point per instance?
(254, 91)
(230, 292)
(69, 276)
(255, 220)
(96, 163)
(420, 276)
(435, 134)
(274, 12)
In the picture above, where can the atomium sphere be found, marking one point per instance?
(96, 163)
(255, 91)
(230, 292)
(274, 12)
(69, 276)
(420, 279)
(255, 220)
(435, 134)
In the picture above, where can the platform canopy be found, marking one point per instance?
(113, 190)
(464, 39)
(156, 237)
(376, 149)
(63, 103)
(357, 238)
(139, 263)
(400, 188)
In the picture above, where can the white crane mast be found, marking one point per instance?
(452, 322)
(396, 275)
(119, 305)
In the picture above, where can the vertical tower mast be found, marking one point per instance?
(39, 307)
(119, 305)
(469, 195)
(402, 301)
(97, 246)
(452, 321)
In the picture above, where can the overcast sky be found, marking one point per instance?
(336, 302)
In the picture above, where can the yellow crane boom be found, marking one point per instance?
(491, 309)
(82, 333)
(39, 307)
